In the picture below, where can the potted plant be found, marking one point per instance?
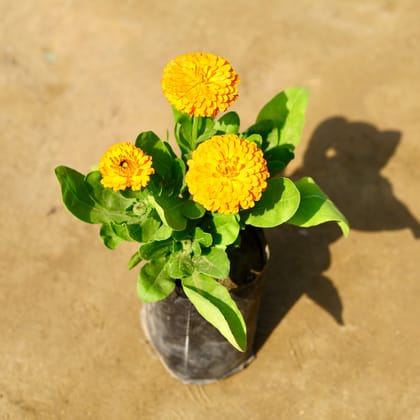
(199, 213)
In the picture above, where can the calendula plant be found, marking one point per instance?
(188, 210)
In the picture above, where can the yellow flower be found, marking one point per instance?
(124, 165)
(200, 84)
(226, 174)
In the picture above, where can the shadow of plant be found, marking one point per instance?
(345, 159)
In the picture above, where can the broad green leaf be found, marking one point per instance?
(206, 129)
(136, 230)
(182, 235)
(180, 116)
(226, 227)
(214, 303)
(135, 259)
(79, 200)
(164, 232)
(161, 152)
(316, 208)
(213, 262)
(255, 138)
(228, 123)
(202, 237)
(154, 282)
(76, 196)
(275, 109)
(297, 102)
(140, 195)
(109, 238)
(106, 197)
(277, 205)
(180, 265)
(183, 129)
(122, 231)
(170, 210)
(156, 249)
(177, 181)
(286, 111)
(278, 157)
(275, 167)
(150, 229)
(196, 248)
(261, 128)
(192, 210)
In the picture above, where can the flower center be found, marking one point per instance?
(124, 164)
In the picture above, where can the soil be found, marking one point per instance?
(339, 331)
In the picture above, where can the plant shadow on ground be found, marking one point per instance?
(345, 159)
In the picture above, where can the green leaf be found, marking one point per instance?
(154, 282)
(228, 123)
(206, 129)
(227, 228)
(278, 157)
(214, 303)
(110, 239)
(170, 210)
(76, 196)
(121, 231)
(106, 197)
(180, 265)
(214, 262)
(261, 128)
(177, 181)
(203, 238)
(113, 234)
(180, 116)
(156, 249)
(286, 111)
(255, 138)
(192, 210)
(135, 259)
(140, 195)
(161, 152)
(274, 110)
(182, 235)
(316, 208)
(149, 229)
(183, 129)
(277, 205)
(196, 248)
(80, 201)
(297, 102)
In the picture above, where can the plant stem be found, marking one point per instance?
(194, 131)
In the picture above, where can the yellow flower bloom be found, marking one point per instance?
(200, 84)
(124, 165)
(226, 174)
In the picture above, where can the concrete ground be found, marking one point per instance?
(339, 331)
